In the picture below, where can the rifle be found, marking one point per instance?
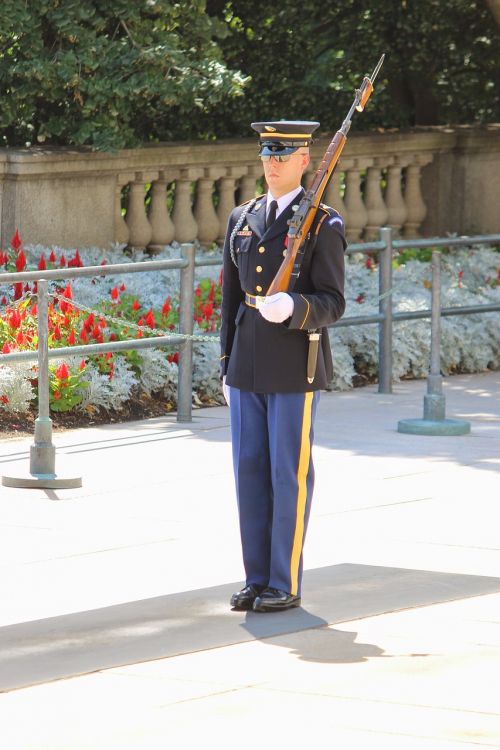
(303, 218)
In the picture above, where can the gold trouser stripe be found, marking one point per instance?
(302, 471)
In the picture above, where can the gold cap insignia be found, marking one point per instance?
(269, 128)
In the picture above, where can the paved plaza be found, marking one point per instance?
(115, 630)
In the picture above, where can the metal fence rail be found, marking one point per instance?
(42, 454)
(385, 317)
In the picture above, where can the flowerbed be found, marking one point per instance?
(136, 305)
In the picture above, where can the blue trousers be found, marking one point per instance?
(272, 436)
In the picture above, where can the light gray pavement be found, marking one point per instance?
(398, 641)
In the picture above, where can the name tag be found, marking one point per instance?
(244, 234)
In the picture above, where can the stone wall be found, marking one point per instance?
(426, 181)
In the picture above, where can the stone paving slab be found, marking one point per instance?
(183, 623)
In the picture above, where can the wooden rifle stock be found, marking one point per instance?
(301, 223)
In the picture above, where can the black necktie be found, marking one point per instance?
(271, 216)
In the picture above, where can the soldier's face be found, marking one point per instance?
(283, 177)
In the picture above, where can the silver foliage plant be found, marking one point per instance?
(469, 343)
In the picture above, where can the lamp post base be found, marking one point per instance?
(42, 481)
(434, 426)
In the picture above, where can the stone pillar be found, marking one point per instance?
(227, 187)
(333, 196)
(396, 208)
(186, 228)
(121, 230)
(353, 200)
(375, 206)
(159, 218)
(204, 211)
(140, 230)
(415, 206)
(248, 186)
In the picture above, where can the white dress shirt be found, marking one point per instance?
(282, 202)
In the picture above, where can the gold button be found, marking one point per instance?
(262, 249)
(259, 269)
(258, 288)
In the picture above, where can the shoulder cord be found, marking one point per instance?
(237, 228)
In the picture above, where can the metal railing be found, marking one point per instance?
(42, 467)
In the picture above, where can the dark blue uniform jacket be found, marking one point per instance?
(266, 357)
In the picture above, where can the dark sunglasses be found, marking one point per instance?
(282, 157)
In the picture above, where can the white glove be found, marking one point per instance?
(276, 308)
(225, 390)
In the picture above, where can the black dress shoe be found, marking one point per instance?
(274, 600)
(245, 598)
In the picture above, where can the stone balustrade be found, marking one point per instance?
(427, 181)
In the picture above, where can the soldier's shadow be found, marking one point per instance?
(311, 638)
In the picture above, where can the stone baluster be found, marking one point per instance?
(333, 194)
(140, 230)
(121, 231)
(310, 174)
(396, 208)
(248, 186)
(415, 206)
(204, 210)
(159, 218)
(186, 228)
(374, 201)
(227, 188)
(356, 211)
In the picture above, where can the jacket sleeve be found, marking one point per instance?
(232, 296)
(326, 304)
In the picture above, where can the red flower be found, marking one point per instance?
(20, 262)
(83, 365)
(136, 305)
(75, 262)
(211, 293)
(3, 258)
(18, 290)
(52, 256)
(4, 399)
(166, 306)
(122, 288)
(369, 264)
(68, 292)
(57, 395)
(16, 241)
(208, 310)
(56, 335)
(62, 371)
(71, 338)
(197, 291)
(84, 336)
(5, 348)
(112, 337)
(174, 358)
(150, 319)
(42, 266)
(88, 323)
(62, 261)
(139, 335)
(20, 338)
(115, 293)
(34, 310)
(96, 332)
(4, 300)
(360, 298)
(140, 322)
(27, 287)
(14, 319)
(108, 355)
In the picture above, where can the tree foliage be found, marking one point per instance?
(116, 73)
(305, 59)
(110, 73)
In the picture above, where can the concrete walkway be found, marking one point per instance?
(115, 630)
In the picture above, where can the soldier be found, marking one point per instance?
(265, 345)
